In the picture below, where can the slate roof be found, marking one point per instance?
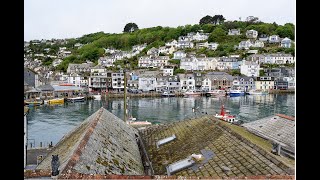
(46, 87)
(276, 128)
(101, 144)
(207, 133)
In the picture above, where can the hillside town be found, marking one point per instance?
(156, 71)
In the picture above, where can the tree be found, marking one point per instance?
(206, 20)
(130, 27)
(286, 31)
(217, 35)
(218, 19)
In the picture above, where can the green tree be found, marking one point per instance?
(130, 27)
(286, 31)
(218, 35)
(261, 73)
(178, 71)
(206, 20)
(218, 19)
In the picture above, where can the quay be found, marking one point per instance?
(105, 147)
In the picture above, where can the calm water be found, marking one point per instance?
(49, 123)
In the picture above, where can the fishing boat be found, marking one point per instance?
(225, 116)
(258, 92)
(236, 91)
(56, 101)
(216, 93)
(192, 93)
(33, 103)
(167, 94)
(76, 99)
(97, 97)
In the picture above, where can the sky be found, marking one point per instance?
(59, 19)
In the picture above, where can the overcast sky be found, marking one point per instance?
(47, 19)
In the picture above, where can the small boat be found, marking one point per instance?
(216, 93)
(192, 93)
(225, 116)
(258, 92)
(33, 103)
(56, 101)
(167, 94)
(236, 91)
(133, 121)
(97, 97)
(76, 99)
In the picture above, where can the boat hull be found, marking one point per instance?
(56, 101)
(76, 99)
(97, 97)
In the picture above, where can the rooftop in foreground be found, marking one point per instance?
(105, 147)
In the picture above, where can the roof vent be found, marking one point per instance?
(166, 140)
(180, 165)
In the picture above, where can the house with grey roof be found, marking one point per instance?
(184, 44)
(225, 63)
(245, 44)
(286, 43)
(153, 51)
(250, 68)
(79, 68)
(173, 83)
(148, 80)
(263, 37)
(233, 32)
(246, 83)
(274, 39)
(220, 80)
(187, 81)
(179, 54)
(31, 78)
(213, 45)
(252, 34)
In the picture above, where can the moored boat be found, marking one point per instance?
(192, 93)
(258, 92)
(225, 116)
(76, 99)
(133, 121)
(216, 93)
(56, 101)
(33, 103)
(97, 97)
(236, 91)
(167, 94)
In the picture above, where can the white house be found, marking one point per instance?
(167, 71)
(74, 79)
(258, 44)
(213, 46)
(56, 62)
(286, 43)
(278, 58)
(184, 44)
(179, 55)
(153, 51)
(252, 34)
(226, 63)
(274, 39)
(196, 63)
(202, 45)
(151, 61)
(139, 47)
(263, 38)
(206, 84)
(245, 44)
(172, 43)
(264, 83)
(233, 32)
(98, 69)
(148, 80)
(291, 82)
(198, 36)
(187, 82)
(249, 68)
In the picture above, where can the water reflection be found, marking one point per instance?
(50, 123)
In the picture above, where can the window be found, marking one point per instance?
(170, 84)
(177, 83)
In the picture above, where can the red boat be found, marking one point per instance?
(225, 116)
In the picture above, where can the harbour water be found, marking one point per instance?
(49, 123)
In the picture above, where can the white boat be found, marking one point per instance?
(258, 92)
(133, 121)
(76, 99)
(236, 91)
(225, 116)
(97, 97)
(192, 93)
(216, 93)
(167, 94)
